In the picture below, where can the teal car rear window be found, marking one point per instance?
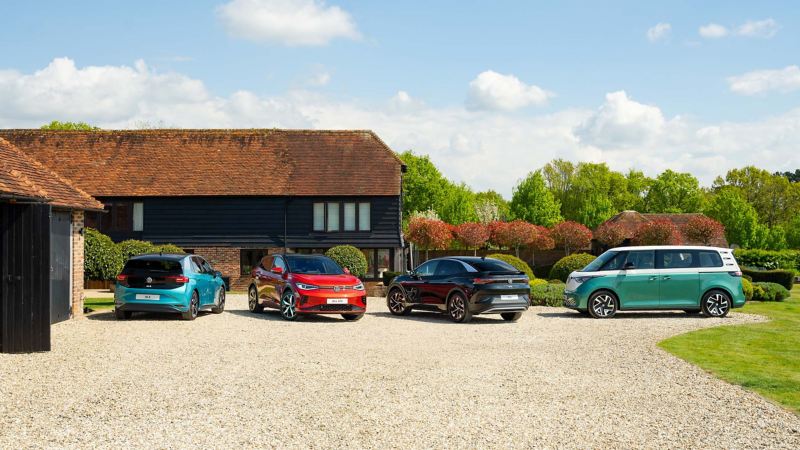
(159, 266)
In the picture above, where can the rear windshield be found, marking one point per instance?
(492, 265)
(157, 266)
(313, 265)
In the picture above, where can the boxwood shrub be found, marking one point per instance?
(519, 264)
(783, 277)
(747, 288)
(569, 264)
(350, 258)
(768, 259)
(132, 247)
(547, 295)
(102, 258)
(769, 292)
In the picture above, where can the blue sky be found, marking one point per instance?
(469, 83)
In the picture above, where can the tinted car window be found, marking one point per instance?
(615, 263)
(159, 266)
(595, 265)
(427, 269)
(493, 265)
(449, 268)
(278, 262)
(643, 259)
(710, 259)
(266, 263)
(313, 265)
(194, 265)
(207, 267)
(676, 259)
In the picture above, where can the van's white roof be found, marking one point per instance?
(671, 247)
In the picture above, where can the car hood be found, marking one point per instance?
(326, 280)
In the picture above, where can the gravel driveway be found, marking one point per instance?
(554, 379)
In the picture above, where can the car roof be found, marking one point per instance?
(161, 256)
(671, 247)
(466, 259)
(301, 255)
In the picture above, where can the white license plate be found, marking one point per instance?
(147, 297)
(509, 297)
(337, 301)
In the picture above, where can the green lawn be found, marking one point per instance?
(762, 357)
(99, 303)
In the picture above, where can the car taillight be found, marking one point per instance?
(179, 279)
(483, 281)
(123, 279)
(738, 273)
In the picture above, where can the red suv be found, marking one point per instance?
(305, 284)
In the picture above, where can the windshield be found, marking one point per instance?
(595, 265)
(313, 265)
(152, 266)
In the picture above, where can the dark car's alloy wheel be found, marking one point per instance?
(716, 304)
(602, 305)
(288, 306)
(396, 303)
(220, 302)
(458, 309)
(194, 307)
(252, 300)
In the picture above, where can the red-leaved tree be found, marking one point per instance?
(610, 234)
(571, 236)
(542, 240)
(429, 234)
(514, 234)
(702, 229)
(657, 232)
(473, 235)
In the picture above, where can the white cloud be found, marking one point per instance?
(766, 28)
(760, 81)
(494, 91)
(287, 22)
(713, 31)
(659, 32)
(469, 146)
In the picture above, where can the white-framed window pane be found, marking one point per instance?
(364, 218)
(319, 216)
(349, 217)
(138, 216)
(333, 216)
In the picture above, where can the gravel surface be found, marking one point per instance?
(554, 379)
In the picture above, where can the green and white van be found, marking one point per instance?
(692, 279)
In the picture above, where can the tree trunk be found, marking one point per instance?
(475, 252)
(426, 254)
(517, 249)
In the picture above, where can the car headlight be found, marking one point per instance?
(306, 287)
(583, 279)
(359, 287)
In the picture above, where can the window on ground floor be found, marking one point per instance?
(249, 258)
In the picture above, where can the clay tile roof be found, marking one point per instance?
(22, 177)
(217, 162)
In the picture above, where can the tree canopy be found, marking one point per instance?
(69, 126)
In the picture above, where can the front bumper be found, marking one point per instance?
(573, 300)
(315, 302)
(495, 304)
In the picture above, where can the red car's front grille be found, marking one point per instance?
(328, 308)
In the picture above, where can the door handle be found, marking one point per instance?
(667, 278)
(653, 278)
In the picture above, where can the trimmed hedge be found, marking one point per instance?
(102, 258)
(569, 264)
(547, 295)
(770, 292)
(168, 248)
(132, 247)
(350, 258)
(519, 264)
(768, 259)
(537, 282)
(747, 288)
(783, 277)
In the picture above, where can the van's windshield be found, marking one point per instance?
(601, 260)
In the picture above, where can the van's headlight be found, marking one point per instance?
(582, 279)
(306, 287)
(359, 287)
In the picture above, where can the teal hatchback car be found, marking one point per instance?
(168, 283)
(692, 279)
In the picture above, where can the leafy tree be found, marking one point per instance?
(429, 234)
(738, 217)
(533, 202)
(571, 236)
(542, 240)
(793, 177)
(657, 232)
(423, 184)
(674, 192)
(486, 211)
(492, 201)
(702, 229)
(774, 197)
(775, 238)
(610, 234)
(559, 175)
(457, 204)
(69, 126)
(793, 233)
(473, 235)
(514, 234)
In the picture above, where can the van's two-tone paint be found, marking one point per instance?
(689, 278)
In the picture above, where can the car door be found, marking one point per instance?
(213, 281)
(261, 277)
(203, 280)
(637, 284)
(442, 282)
(276, 280)
(680, 280)
(196, 273)
(415, 285)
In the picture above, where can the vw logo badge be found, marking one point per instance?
(510, 281)
(336, 289)
(148, 280)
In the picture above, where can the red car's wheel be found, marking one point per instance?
(288, 306)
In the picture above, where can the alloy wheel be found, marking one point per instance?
(288, 305)
(717, 305)
(603, 305)
(252, 300)
(457, 308)
(221, 298)
(193, 306)
(396, 302)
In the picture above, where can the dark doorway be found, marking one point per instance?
(60, 265)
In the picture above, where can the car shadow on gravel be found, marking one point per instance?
(434, 317)
(108, 316)
(626, 315)
(275, 315)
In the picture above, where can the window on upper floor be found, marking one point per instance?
(333, 216)
(347, 216)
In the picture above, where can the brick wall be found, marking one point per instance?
(225, 260)
(77, 264)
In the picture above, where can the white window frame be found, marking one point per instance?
(138, 216)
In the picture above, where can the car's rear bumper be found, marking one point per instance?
(151, 307)
(170, 300)
(494, 304)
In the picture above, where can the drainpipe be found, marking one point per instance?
(285, 220)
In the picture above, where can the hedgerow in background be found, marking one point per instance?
(350, 258)
(168, 248)
(429, 234)
(102, 257)
(516, 262)
(610, 234)
(747, 288)
(513, 234)
(657, 232)
(569, 264)
(703, 229)
(547, 295)
(542, 240)
(571, 236)
(769, 292)
(472, 235)
(132, 247)
(768, 259)
(783, 277)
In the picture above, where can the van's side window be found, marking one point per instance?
(710, 259)
(676, 259)
(641, 259)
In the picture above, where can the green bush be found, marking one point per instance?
(168, 248)
(132, 247)
(102, 258)
(768, 259)
(554, 281)
(770, 292)
(388, 277)
(519, 264)
(547, 295)
(783, 277)
(747, 288)
(350, 258)
(569, 264)
(537, 282)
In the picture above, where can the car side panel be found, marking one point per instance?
(679, 288)
(724, 281)
(637, 288)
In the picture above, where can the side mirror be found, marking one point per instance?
(277, 270)
(217, 274)
(628, 266)
(347, 271)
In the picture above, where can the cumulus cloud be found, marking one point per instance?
(713, 31)
(766, 28)
(287, 22)
(470, 146)
(761, 81)
(494, 91)
(658, 32)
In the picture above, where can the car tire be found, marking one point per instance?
(716, 303)
(395, 301)
(288, 306)
(512, 316)
(194, 307)
(352, 317)
(122, 315)
(458, 308)
(252, 301)
(220, 307)
(603, 305)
